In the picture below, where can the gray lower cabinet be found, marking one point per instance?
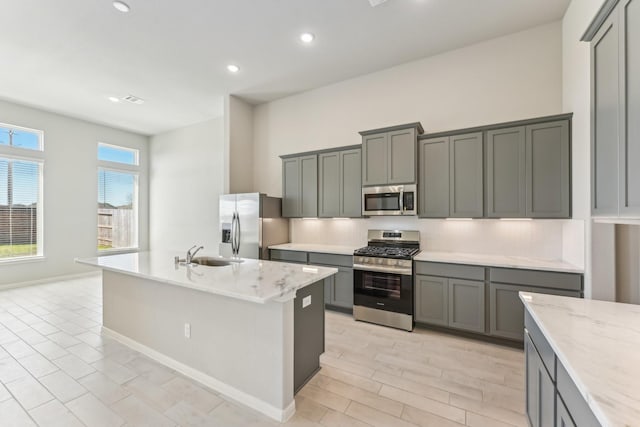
(341, 289)
(300, 186)
(506, 176)
(466, 305)
(455, 303)
(338, 289)
(506, 311)
(466, 188)
(563, 419)
(548, 168)
(389, 155)
(540, 389)
(431, 300)
(308, 334)
(451, 177)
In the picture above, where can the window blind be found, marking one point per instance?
(19, 206)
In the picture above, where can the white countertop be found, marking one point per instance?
(312, 247)
(598, 343)
(251, 280)
(498, 261)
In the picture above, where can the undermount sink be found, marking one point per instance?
(210, 261)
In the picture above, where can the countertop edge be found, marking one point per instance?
(497, 264)
(591, 402)
(277, 298)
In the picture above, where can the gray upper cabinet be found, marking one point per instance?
(402, 156)
(300, 186)
(506, 187)
(340, 188)
(629, 176)
(374, 159)
(433, 186)
(548, 170)
(291, 187)
(350, 183)
(329, 180)
(466, 190)
(529, 171)
(604, 151)
(451, 176)
(615, 97)
(389, 155)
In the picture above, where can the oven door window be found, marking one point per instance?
(382, 285)
(382, 202)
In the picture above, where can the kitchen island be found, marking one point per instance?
(582, 361)
(252, 330)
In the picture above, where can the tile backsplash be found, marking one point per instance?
(537, 239)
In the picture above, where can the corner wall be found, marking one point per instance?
(187, 178)
(71, 191)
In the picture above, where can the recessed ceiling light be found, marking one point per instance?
(307, 37)
(233, 68)
(113, 99)
(121, 6)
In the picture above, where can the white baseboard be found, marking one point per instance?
(281, 415)
(49, 280)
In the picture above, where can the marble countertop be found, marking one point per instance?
(253, 280)
(498, 261)
(598, 342)
(312, 247)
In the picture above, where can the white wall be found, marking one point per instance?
(187, 177)
(576, 90)
(70, 190)
(509, 78)
(514, 77)
(239, 142)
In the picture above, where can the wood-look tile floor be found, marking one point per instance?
(57, 370)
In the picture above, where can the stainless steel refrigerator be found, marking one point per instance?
(250, 223)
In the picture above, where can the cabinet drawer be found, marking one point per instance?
(541, 279)
(288, 256)
(458, 271)
(331, 259)
(576, 404)
(541, 344)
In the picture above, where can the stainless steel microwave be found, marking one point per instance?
(390, 200)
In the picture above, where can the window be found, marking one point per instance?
(118, 169)
(21, 165)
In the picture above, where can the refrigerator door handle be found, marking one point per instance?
(238, 233)
(233, 234)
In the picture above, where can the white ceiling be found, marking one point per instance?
(68, 56)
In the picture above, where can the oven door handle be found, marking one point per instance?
(401, 201)
(386, 269)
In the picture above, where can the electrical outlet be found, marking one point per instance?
(306, 301)
(187, 330)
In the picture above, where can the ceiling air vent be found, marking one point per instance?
(133, 99)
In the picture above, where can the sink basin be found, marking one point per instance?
(213, 261)
(210, 261)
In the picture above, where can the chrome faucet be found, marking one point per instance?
(190, 255)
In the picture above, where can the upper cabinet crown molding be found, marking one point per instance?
(415, 125)
(605, 10)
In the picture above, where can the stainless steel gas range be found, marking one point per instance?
(383, 278)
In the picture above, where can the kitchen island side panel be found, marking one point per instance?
(245, 345)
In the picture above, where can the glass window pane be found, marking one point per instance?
(117, 220)
(19, 138)
(19, 204)
(117, 154)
